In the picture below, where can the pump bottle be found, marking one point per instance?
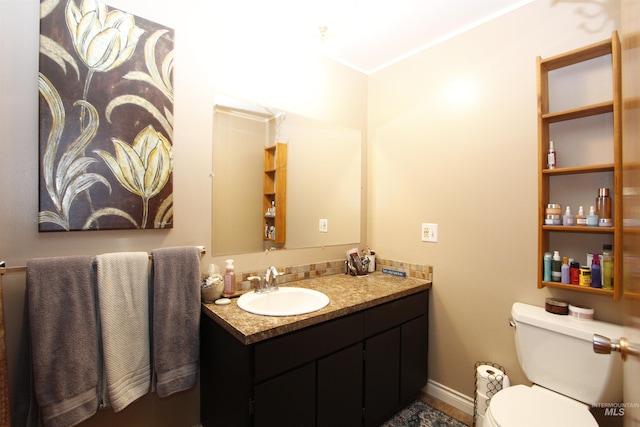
(229, 279)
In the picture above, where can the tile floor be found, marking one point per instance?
(456, 413)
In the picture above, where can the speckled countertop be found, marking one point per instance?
(347, 294)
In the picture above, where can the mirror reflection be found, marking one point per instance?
(322, 184)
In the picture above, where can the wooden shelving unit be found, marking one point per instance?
(275, 192)
(611, 107)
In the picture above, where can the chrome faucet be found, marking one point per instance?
(267, 284)
(270, 279)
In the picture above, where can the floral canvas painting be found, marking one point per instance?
(106, 119)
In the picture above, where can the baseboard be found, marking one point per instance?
(450, 396)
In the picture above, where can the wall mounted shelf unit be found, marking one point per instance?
(607, 111)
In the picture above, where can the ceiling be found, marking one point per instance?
(368, 35)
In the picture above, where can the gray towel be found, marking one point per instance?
(176, 318)
(123, 295)
(64, 338)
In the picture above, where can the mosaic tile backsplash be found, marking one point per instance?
(327, 268)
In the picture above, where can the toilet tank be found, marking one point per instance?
(556, 352)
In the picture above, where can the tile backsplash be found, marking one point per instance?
(327, 268)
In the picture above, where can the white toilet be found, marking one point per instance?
(556, 353)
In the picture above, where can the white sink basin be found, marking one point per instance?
(286, 301)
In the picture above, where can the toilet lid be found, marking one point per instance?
(535, 406)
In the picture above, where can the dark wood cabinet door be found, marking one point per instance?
(382, 376)
(287, 400)
(340, 388)
(413, 365)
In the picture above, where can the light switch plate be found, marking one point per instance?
(429, 232)
(323, 226)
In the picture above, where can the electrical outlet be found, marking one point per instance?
(324, 226)
(429, 232)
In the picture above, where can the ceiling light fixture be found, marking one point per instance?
(323, 31)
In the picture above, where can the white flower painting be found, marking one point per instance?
(106, 119)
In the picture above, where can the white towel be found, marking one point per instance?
(123, 294)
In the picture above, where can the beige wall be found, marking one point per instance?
(472, 169)
(211, 56)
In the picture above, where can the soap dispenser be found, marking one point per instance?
(229, 279)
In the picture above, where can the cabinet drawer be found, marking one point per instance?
(288, 351)
(391, 314)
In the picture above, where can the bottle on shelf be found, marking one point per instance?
(603, 207)
(585, 276)
(592, 218)
(551, 156)
(581, 219)
(568, 218)
(607, 267)
(565, 274)
(547, 267)
(596, 278)
(574, 268)
(556, 267)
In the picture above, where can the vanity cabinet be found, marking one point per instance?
(589, 147)
(354, 370)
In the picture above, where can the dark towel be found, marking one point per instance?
(64, 338)
(175, 318)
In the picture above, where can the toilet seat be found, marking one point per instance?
(522, 406)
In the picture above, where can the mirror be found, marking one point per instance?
(323, 178)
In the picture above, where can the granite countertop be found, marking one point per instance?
(347, 294)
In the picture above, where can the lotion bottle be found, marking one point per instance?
(581, 219)
(565, 275)
(568, 219)
(229, 279)
(592, 218)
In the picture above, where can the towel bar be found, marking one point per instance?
(7, 270)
